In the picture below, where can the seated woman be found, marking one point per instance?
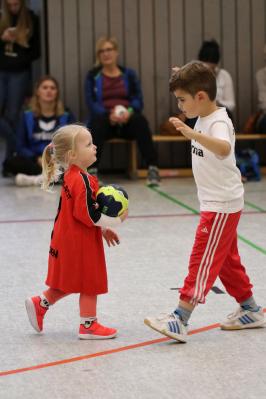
(34, 132)
(114, 99)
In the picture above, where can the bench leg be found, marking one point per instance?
(132, 162)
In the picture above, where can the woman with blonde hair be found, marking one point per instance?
(35, 130)
(114, 99)
(76, 257)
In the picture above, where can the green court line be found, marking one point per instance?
(251, 205)
(169, 197)
(180, 203)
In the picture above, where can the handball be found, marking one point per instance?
(119, 110)
(112, 200)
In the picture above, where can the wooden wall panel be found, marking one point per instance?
(162, 61)
(72, 56)
(153, 36)
(116, 24)
(86, 44)
(56, 41)
(147, 58)
(212, 20)
(176, 42)
(229, 43)
(131, 35)
(245, 77)
(193, 34)
(258, 10)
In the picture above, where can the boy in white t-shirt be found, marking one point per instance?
(220, 193)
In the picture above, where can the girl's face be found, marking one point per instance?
(13, 6)
(108, 54)
(84, 154)
(47, 91)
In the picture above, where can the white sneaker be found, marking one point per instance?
(22, 180)
(242, 319)
(169, 325)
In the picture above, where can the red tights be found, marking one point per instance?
(87, 303)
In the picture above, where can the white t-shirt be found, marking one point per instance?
(218, 179)
(225, 89)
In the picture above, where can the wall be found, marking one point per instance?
(155, 35)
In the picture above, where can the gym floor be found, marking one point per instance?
(145, 271)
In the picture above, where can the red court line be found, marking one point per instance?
(103, 353)
(130, 217)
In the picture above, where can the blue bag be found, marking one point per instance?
(247, 161)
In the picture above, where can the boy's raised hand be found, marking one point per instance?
(182, 127)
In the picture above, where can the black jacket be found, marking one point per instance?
(25, 56)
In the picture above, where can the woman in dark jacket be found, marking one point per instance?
(114, 99)
(19, 47)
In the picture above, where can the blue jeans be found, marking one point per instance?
(13, 90)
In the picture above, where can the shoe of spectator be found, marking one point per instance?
(22, 180)
(153, 177)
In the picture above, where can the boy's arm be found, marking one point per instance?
(218, 146)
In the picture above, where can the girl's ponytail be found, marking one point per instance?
(50, 168)
(55, 155)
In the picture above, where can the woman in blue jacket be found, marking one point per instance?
(35, 129)
(114, 99)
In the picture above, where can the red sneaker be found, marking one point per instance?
(35, 312)
(96, 331)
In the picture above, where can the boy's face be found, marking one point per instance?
(189, 105)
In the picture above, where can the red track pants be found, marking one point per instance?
(214, 254)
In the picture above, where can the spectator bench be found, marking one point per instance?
(134, 172)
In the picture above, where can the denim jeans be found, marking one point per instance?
(13, 89)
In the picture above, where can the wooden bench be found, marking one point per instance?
(134, 172)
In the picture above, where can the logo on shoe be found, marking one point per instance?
(204, 230)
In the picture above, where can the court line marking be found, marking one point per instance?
(107, 352)
(103, 353)
(195, 212)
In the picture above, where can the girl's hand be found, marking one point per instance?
(124, 215)
(182, 127)
(110, 237)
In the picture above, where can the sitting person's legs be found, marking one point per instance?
(138, 129)
(101, 130)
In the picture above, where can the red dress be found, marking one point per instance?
(76, 257)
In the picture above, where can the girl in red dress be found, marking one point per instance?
(76, 258)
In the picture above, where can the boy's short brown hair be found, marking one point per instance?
(194, 77)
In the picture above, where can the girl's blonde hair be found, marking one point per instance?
(24, 24)
(100, 42)
(55, 157)
(34, 103)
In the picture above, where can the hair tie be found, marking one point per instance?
(51, 148)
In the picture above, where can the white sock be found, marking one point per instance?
(44, 302)
(87, 321)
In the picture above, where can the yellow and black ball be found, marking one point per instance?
(112, 200)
